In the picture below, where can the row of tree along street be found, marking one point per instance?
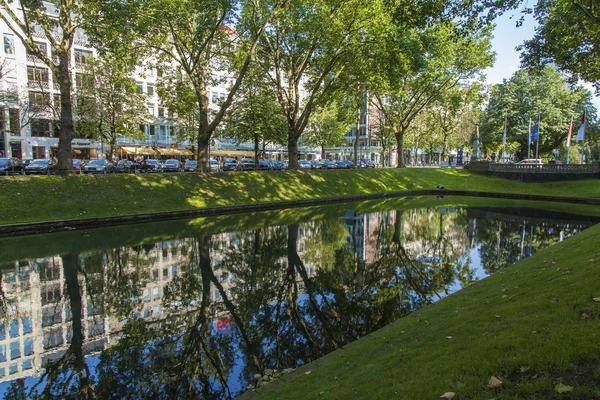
(306, 70)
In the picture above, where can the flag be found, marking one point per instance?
(570, 132)
(536, 129)
(581, 130)
(529, 135)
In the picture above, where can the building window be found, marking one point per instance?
(161, 112)
(150, 90)
(15, 350)
(28, 347)
(2, 352)
(27, 328)
(13, 330)
(165, 273)
(152, 130)
(215, 98)
(155, 274)
(163, 131)
(35, 74)
(52, 339)
(27, 364)
(155, 294)
(151, 109)
(81, 57)
(42, 47)
(40, 127)
(15, 120)
(140, 88)
(13, 369)
(39, 101)
(9, 44)
(156, 312)
(159, 73)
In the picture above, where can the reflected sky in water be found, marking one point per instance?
(205, 315)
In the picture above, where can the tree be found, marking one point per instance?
(327, 128)
(109, 104)
(441, 59)
(568, 36)
(255, 115)
(306, 49)
(202, 44)
(519, 99)
(57, 21)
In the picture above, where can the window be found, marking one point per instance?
(27, 328)
(140, 88)
(2, 372)
(13, 330)
(2, 352)
(28, 347)
(215, 98)
(15, 350)
(95, 327)
(151, 109)
(52, 338)
(146, 313)
(155, 294)
(84, 81)
(42, 46)
(40, 127)
(150, 90)
(146, 295)
(165, 273)
(13, 369)
(9, 44)
(155, 274)
(159, 73)
(50, 294)
(161, 112)
(50, 317)
(15, 120)
(35, 74)
(27, 364)
(2, 332)
(163, 131)
(174, 270)
(39, 101)
(152, 130)
(156, 312)
(81, 56)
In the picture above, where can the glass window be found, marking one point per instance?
(155, 274)
(28, 347)
(27, 364)
(161, 112)
(13, 369)
(2, 352)
(27, 325)
(147, 313)
(140, 88)
(15, 350)
(151, 110)
(150, 90)
(2, 331)
(155, 294)
(13, 330)
(9, 44)
(156, 312)
(146, 295)
(2, 372)
(215, 98)
(165, 272)
(174, 270)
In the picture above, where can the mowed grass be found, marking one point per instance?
(535, 326)
(52, 198)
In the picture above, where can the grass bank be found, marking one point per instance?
(535, 326)
(54, 198)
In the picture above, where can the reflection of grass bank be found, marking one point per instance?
(17, 248)
(35, 199)
(533, 325)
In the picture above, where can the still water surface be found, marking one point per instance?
(160, 312)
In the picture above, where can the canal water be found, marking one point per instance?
(204, 308)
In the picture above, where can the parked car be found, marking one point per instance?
(248, 164)
(11, 166)
(127, 166)
(328, 164)
(27, 161)
(231, 164)
(99, 167)
(78, 165)
(151, 165)
(278, 165)
(349, 164)
(304, 164)
(190, 166)
(341, 164)
(213, 165)
(533, 161)
(40, 166)
(171, 166)
(265, 165)
(366, 163)
(314, 164)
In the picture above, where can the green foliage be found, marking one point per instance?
(327, 127)
(519, 99)
(567, 35)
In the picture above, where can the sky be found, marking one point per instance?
(506, 38)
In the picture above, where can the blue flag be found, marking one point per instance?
(535, 134)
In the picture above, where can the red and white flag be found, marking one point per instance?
(581, 131)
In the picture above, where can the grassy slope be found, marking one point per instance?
(547, 333)
(34, 199)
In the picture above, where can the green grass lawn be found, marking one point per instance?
(52, 198)
(535, 326)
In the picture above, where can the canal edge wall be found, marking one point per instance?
(90, 223)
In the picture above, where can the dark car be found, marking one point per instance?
(231, 164)
(127, 166)
(349, 164)
(328, 164)
(40, 166)
(213, 165)
(151, 166)
(171, 166)
(248, 164)
(11, 166)
(190, 165)
(99, 167)
(314, 164)
(366, 163)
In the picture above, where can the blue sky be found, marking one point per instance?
(506, 38)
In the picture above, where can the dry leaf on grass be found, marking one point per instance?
(560, 388)
(448, 396)
(597, 299)
(495, 383)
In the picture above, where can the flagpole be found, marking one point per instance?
(537, 141)
(583, 139)
(504, 138)
(569, 141)
(529, 140)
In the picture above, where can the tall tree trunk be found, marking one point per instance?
(292, 148)
(357, 136)
(323, 152)
(204, 135)
(256, 149)
(400, 162)
(203, 149)
(65, 136)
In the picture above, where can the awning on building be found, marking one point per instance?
(170, 152)
(135, 151)
(231, 153)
